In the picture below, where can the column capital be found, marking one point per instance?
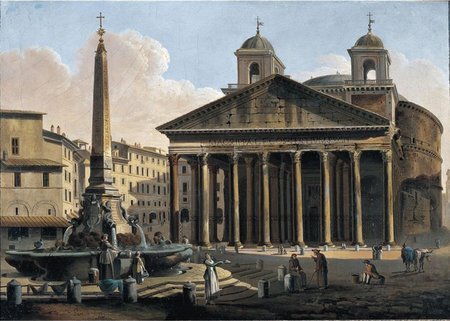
(193, 164)
(356, 155)
(297, 156)
(387, 155)
(212, 168)
(264, 158)
(234, 158)
(173, 159)
(204, 158)
(249, 161)
(324, 155)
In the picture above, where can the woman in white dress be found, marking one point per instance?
(211, 279)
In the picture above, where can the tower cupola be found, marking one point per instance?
(256, 59)
(370, 61)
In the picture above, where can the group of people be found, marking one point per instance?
(320, 271)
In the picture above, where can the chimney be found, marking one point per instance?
(58, 130)
(52, 128)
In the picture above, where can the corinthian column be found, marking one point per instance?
(282, 212)
(236, 222)
(174, 198)
(298, 239)
(326, 198)
(194, 202)
(204, 226)
(357, 193)
(387, 157)
(249, 193)
(266, 200)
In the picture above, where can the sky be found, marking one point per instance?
(167, 58)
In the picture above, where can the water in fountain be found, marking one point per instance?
(67, 234)
(141, 234)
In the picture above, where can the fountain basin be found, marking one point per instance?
(64, 264)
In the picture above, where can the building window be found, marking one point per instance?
(254, 73)
(65, 195)
(165, 190)
(148, 203)
(75, 167)
(185, 188)
(154, 189)
(159, 190)
(17, 180)
(123, 169)
(137, 187)
(185, 199)
(164, 177)
(48, 233)
(49, 212)
(70, 177)
(183, 169)
(137, 170)
(129, 169)
(148, 188)
(123, 181)
(142, 171)
(159, 179)
(147, 172)
(15, 146)
(153, 174)
(70, 196)
(114, 167)
(137, 156)
(65, 175)
(132, 202)
(75, 188)
(15, 233)
(45, 179)
(17, 211)
(65, 153)
(114, 180)
(131, 187)
(158, 161)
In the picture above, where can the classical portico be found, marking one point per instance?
(287, 180)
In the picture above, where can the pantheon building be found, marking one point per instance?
(337, 158)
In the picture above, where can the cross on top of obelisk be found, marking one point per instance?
(101, 31)
(370, 21)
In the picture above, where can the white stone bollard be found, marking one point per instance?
(259, 264)
(281, 272)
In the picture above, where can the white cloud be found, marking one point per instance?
(140, 97)
(420, 81)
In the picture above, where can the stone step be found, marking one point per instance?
(239, 269)
(157, 291)
(261, 274)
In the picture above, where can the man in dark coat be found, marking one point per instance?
(321, 269)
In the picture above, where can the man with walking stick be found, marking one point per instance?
(321, 269)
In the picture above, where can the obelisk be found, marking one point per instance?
(101, 189)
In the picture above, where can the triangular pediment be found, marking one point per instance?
(273, 103)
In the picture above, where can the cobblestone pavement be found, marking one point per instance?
(404, 295)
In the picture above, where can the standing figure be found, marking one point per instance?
(296, 271)
(321, 269)
(138, 268)
(107, 256)
(370, 272)
(211, 279)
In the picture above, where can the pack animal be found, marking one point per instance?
(421, 256)
(415, 257)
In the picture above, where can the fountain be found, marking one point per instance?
(101, 213)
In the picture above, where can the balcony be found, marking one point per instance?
(369, 82)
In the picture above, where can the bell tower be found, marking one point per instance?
(256, 59)
(370, 61)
